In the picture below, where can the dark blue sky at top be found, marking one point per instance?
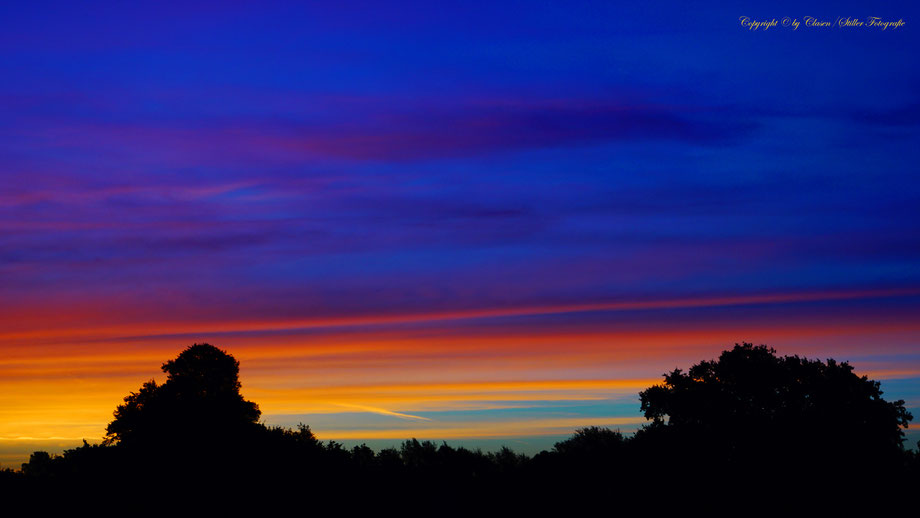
(370, 156)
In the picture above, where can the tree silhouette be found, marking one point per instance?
(200, 400)
(755, 408)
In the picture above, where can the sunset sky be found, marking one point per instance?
(483, 222)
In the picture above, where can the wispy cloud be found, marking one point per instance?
(382, 411)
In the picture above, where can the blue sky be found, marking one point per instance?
(191, 171)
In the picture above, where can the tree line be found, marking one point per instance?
(751, 426)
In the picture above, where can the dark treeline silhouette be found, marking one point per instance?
(749, 429)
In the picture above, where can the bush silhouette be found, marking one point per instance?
(588, 441)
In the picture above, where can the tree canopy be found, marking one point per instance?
(751, 399)
(201, 395)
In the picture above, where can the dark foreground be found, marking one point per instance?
(594, 469)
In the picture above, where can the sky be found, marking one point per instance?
(489, 223)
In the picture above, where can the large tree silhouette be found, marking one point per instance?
(200, 400)
(754, 407)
